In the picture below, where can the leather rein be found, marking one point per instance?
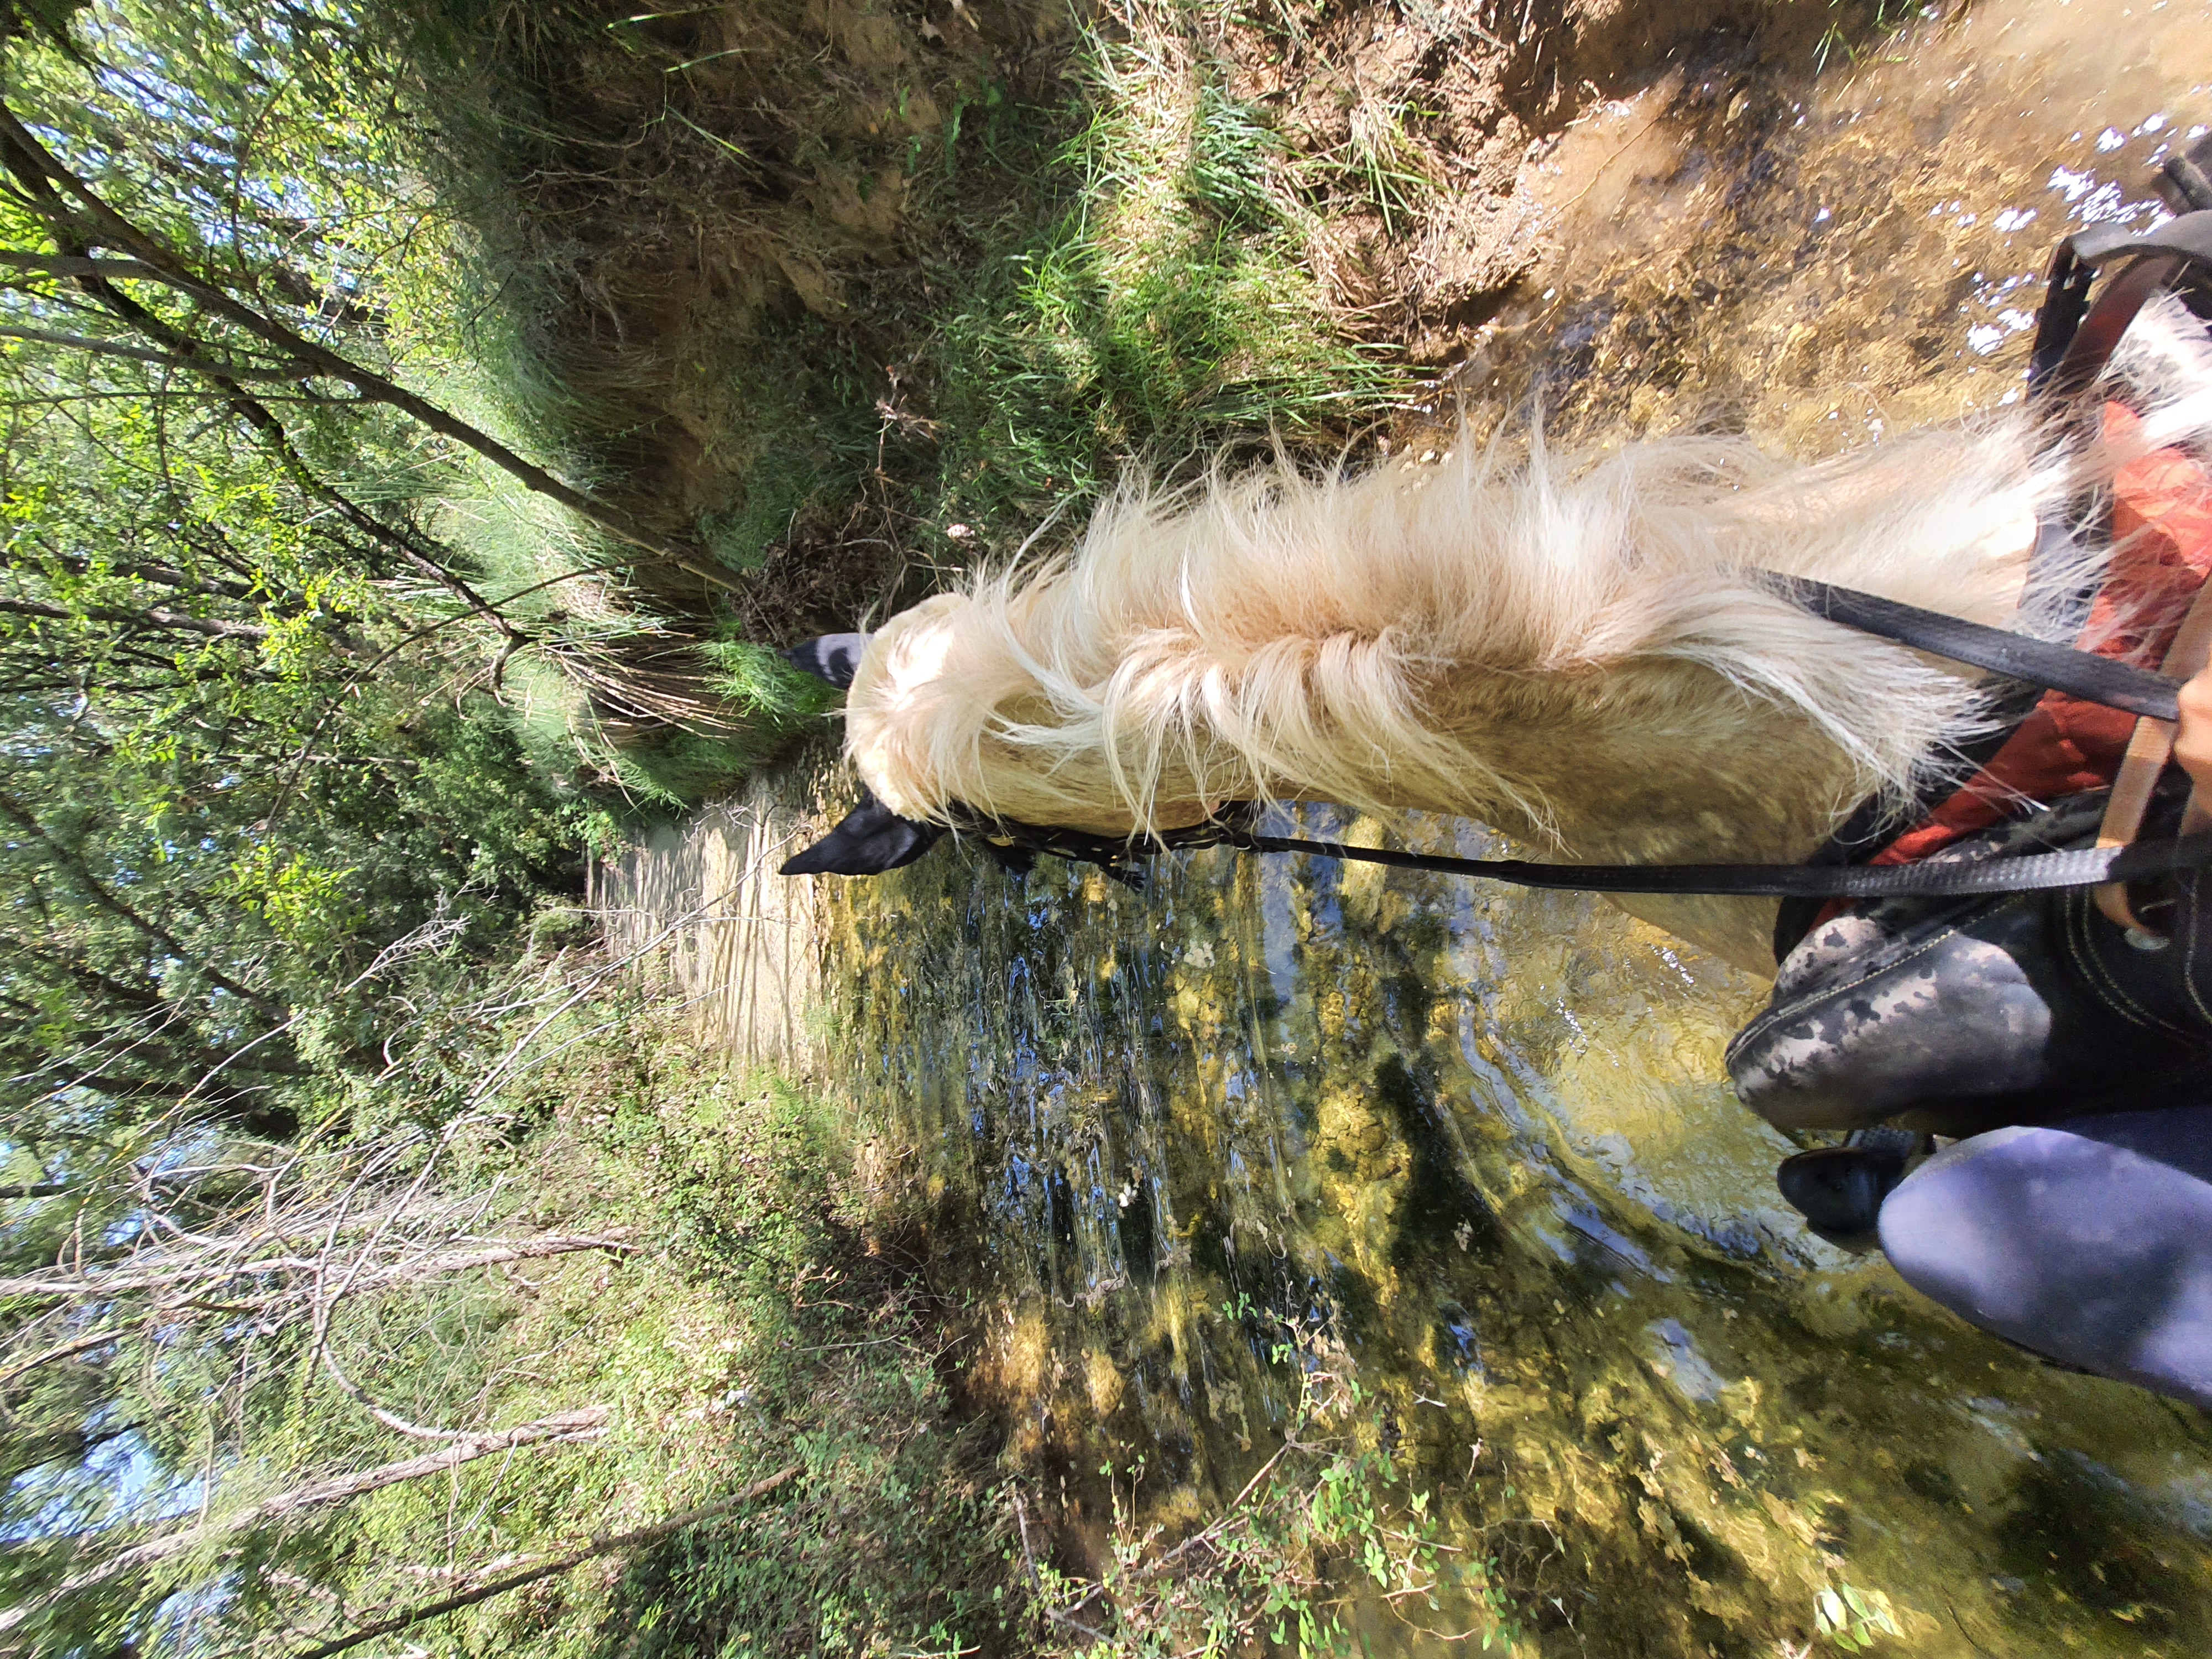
(2074, 341)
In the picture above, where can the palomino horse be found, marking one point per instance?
(1593, 653)
(1578, 649)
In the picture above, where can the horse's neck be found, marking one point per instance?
(1587, 657)
(1667, 763)
(1664, 762)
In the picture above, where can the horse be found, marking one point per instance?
(1603, 652)
(1584, 649)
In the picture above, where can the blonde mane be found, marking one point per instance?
(1577, 649)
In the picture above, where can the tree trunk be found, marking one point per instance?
(34, 165)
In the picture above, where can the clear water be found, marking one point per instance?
(1488, 1133)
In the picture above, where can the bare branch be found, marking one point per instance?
(585, 1423)
(81, 1345)
(48, 265)
(156, 615)
(85, 342)
(198, 1278)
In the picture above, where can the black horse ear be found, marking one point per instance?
(871, 840)
(834, 657)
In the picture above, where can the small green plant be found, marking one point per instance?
(1322, 1528)
(1837, 40)
(759, 681)
(1852, 1618)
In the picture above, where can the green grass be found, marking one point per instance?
(1108, 275)
(1381, 160)
(760, 679)
(1161, 312)
(756, 1332)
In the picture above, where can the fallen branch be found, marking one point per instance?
(1036, 1582)
(583, 1424)
(83, 1345)
(119, 1282)
(603, 1545)
(1221, 1519)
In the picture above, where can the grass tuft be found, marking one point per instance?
(1382, 161)
(759, 679)
(1164, 311)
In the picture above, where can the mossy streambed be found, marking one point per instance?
(1482, 1138)
(1474, 1148)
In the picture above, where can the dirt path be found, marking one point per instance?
(720, 930)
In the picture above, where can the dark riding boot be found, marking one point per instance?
(1839, 1189)
(1958, 1016)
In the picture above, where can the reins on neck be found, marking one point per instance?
(2086, 866)
(2075, 340)
(2035, 662)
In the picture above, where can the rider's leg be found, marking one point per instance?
(2088, 1240)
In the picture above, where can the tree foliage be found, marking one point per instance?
(253, 734)
(265, 823)
(317, 1322)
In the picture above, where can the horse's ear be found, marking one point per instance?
(834, 657)
(871, 840)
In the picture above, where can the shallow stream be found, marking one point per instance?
(1486, 1135)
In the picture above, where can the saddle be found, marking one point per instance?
(1958, 1016)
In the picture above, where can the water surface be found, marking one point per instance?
(1486, 1136)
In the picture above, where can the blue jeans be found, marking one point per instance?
(2088, 1240)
